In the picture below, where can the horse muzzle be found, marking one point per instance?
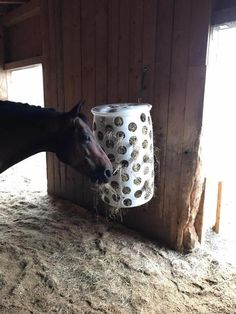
(101, 175)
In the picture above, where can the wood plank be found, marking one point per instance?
(13, 1)
(53, 24)
(60, 84)
(149, 48)
(77, 92)
(163, 42)
(113, 47)
(135, 49)
(199, 32)
(189, 188)
(101, 57)
(151, 218)
(2, 57)
(68, 58)
(22, 13)
(49, 83)
(23, 63)
(72, 73)
(23, 41)
(216, 227)
(3, 74)
(149, 32)
(88, 44)
(182, 19)
(124, 46)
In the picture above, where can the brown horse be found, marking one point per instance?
(27, 130)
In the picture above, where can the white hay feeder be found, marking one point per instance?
(125, 133)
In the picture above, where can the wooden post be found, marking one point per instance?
(3, 74)
(199, 221)
(218, 207)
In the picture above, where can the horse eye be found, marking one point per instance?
(86, 138)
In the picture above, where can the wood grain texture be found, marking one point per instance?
(22, 13)
(190, 187)
(72, 62)
(123, 50)
(101, 51)
(161, 103)
(135, 54)
(52, 80)
(3, 74)
(175, 128)
(49, 83)
(23, 40)
(113, 51)
(23, 63)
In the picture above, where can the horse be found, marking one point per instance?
(26, 130)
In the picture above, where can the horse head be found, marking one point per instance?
(79, 149)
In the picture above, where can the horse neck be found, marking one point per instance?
(28, 134)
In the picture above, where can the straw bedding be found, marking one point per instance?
(55, 257)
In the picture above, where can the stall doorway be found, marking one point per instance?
(26, 85)
(219, 137)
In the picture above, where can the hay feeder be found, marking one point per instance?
(125, 133)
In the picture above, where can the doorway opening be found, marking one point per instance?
(219, 148)
(26, 85)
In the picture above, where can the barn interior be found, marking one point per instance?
(60, 250)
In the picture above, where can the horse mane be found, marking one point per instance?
(19, 110)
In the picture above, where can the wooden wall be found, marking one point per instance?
(96, 50)
(22, 36)
(3, 76)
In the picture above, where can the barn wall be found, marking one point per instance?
(17, 38)
(96, 50)
(21, 28)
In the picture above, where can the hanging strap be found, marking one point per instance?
(142, 86)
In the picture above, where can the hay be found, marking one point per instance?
(57, 258)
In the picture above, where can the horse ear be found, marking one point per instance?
(81, 116)
(75, 111)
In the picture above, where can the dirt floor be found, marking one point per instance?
(58, 258)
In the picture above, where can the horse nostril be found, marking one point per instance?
(108, 173)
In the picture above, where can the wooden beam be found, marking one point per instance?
(23, 63)
(190, 185)
(3, 74)
(2, 47)
(22, 13)
(13, 1)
